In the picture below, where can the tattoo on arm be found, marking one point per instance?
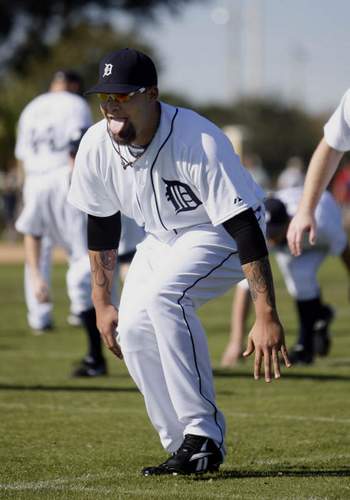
(260, 280)
(102, 263)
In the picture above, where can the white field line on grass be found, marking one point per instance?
(65, 485)
(302, 460)
(332, 420)
(70, 484)
(116, 409)
(54, 483)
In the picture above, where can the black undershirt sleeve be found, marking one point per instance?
(103, 233)
(245, 230)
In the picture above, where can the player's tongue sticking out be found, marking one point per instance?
(116, 125)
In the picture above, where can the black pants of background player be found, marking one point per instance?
(94, 363)
(314, 336)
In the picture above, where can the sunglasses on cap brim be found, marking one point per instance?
(115, 97)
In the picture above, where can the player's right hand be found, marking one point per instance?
(301, 223)
(41, 290)
(107, 322)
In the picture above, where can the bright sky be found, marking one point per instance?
(298, 50)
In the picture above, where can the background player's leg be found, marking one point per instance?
(79, 291)
(300, 275)
(39, 314)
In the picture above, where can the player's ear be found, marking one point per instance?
(153, 93)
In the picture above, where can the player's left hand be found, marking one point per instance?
(266, 338)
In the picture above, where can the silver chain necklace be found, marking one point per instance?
(124, 161)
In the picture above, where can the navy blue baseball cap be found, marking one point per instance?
(124, 71)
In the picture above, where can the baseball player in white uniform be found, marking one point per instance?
(44, 131)
(49, 215)
(323, 165)
(176, 174)
(299, 273)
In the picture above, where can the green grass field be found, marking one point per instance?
(62, 438)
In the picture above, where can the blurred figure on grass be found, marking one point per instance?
(45, 129)
(50, 215)
(300, 276)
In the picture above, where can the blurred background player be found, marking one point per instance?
(45, 128)
(300, 276)
(323, 164)
(49, 214)
(293, 175)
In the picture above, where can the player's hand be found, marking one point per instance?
(41, 290)
(107, 322)
(266, 338)
(232, 354)
(302, 222)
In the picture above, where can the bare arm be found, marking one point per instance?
(323, 165)
(32, 247)
(239, 315)
(102, 265)
(267, 336)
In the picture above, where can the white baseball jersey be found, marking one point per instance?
(189, 175)
(45, 128)
(330, 232)
(337, 129)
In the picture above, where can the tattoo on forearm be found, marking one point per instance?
(260, 280)
(101, 264)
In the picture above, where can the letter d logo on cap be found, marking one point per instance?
(108, 70)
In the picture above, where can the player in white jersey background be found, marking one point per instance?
(48, 214)
(323, 164)
(177, 174)
(45, 128)
(299, 273)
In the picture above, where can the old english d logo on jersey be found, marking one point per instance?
(181, 196)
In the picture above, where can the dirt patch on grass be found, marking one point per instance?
(13, 253)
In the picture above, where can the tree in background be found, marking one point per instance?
(38, 38)
(81, 49)
(28, 27)
(274, 131)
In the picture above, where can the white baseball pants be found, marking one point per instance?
(39, 315)
(300, 273)
(163, 342)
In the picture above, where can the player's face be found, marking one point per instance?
(134, 121)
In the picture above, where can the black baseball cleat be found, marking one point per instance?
(90, 368)
(298, 355)
(322, 336)
(196, 455)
